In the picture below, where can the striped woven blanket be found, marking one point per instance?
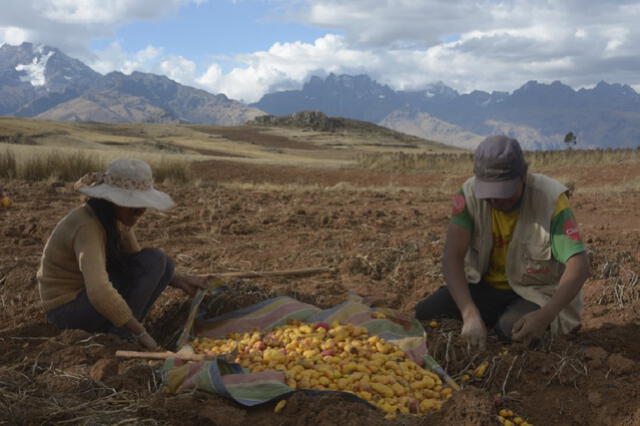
(231, 380)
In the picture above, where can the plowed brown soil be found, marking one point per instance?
(382, 243)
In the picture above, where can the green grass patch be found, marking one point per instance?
(69, 165)
(171, 170)
(463, 162)
(8, 167)
(59, 166)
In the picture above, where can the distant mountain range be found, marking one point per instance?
(41, 81)
(539, 115)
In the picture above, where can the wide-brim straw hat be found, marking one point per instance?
(128, 182)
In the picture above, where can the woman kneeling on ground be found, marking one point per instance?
(93, 275)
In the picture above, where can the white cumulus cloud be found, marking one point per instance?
(13, 35)
(70, 25)
(114, 58)
(286, 62)
(178, 68)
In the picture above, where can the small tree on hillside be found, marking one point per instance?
(570, 139)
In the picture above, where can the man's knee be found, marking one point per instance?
(423, 311)
(504, 326)
(439, 304)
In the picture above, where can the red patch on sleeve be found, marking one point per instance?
(458, 204)
(571, 230)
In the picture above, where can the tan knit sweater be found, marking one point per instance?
(74, 259)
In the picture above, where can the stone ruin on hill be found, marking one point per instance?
(313, 120)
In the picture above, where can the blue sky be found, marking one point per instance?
(221, 28)
(246, 48)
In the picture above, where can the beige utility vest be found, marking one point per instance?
(532, 271)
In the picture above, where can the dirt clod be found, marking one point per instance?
(619, 364)
(104, 367)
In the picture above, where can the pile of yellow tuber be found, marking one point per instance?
(336, 357)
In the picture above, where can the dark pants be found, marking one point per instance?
(499, 309)
(140, 280)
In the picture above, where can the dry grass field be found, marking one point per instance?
(251, 144)
(266, 199)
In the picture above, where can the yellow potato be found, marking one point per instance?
(505, 413)
(480, 370)
(383, 390)
(280, 405)
(398, 389)
(427, 405)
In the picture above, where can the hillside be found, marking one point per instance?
(424, 125)
(340, 130)
(278, 142)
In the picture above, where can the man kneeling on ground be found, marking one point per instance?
(513, 257)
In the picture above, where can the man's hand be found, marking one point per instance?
(531, 326)
(455, 249)
(475, 332)
(189, 284)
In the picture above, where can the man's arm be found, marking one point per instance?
(455, 249)
(534, 324)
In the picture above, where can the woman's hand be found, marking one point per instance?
(148, 342)
(141, 335)
(189, 284)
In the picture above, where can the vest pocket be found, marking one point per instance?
(538, 267)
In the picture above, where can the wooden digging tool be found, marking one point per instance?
(303, 272)
(163, 355)
(433, 365)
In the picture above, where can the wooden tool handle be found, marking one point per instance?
(161, 355)
(283, 273)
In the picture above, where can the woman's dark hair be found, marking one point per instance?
(106, 213)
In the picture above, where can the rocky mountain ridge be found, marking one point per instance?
(538, 114)
(43, 82)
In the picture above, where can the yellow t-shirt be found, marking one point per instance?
(502, 226)
(565, 238)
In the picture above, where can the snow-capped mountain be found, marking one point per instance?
(41, 81)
